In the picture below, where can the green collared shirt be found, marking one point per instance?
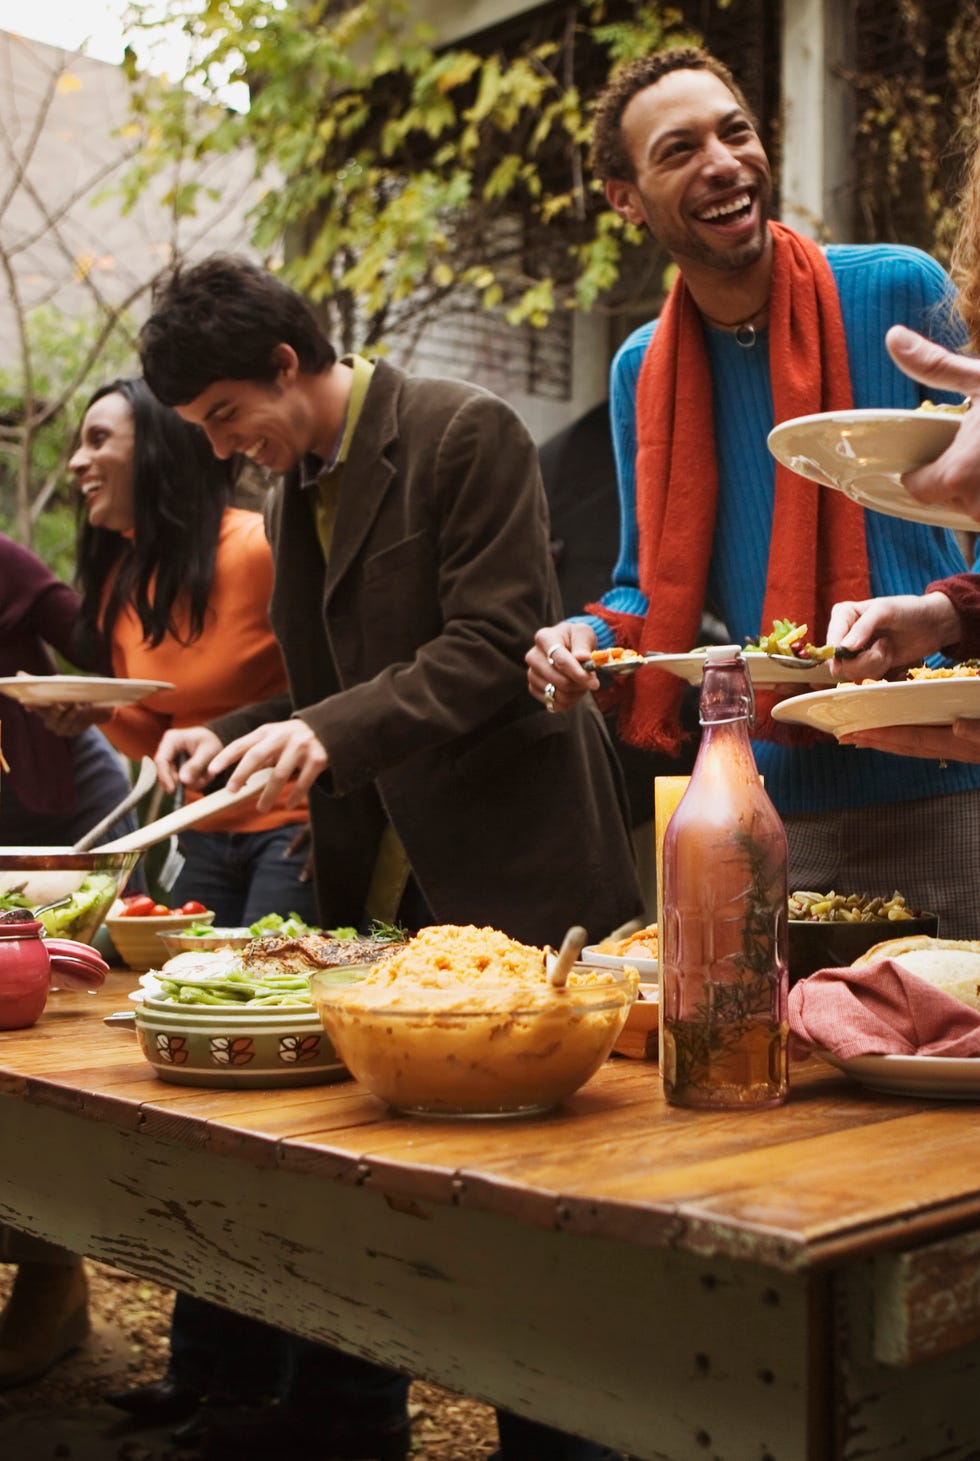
(328, 478)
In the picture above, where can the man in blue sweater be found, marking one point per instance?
(760, 326)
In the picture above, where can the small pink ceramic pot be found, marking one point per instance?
(30, 964)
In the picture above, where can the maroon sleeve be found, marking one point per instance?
(37, 609)
(963, 591)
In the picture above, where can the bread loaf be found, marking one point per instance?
(950, 964)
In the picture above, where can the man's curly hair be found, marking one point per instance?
(608, 155)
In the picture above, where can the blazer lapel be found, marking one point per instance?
(368, 471)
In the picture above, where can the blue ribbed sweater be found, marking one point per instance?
(879, 285)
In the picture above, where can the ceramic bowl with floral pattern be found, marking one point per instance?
(237, 1047)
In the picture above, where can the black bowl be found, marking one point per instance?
(815, 945)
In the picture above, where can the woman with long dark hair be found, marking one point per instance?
(177, 581)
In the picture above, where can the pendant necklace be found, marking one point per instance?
(744, 330)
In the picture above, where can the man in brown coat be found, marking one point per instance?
(410, 538)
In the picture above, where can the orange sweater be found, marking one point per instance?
(235, 661)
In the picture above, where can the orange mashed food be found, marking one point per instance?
(463, 1021)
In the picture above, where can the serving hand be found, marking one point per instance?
(953, 479)
(889, 633)
(554, 665)
(295, 753)
(185, 755)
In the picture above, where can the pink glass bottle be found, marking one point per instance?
(723, 923)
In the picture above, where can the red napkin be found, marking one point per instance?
(880, 1009)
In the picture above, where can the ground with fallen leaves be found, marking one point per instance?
(131, 1319)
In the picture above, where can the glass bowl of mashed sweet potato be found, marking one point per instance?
(462, 1021)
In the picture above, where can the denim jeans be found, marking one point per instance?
(101, 780)
(244, 875)
(234, 1360)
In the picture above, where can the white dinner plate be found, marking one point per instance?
(864, 453)
(78, 690)
(912, 1075)
(855, 707)
(762, 668)
(591, 955)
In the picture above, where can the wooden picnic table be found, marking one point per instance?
(799, 1284)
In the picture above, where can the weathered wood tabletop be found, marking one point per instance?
(798, 1283)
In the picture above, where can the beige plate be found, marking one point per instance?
(893, 702)
(762, 668)
(912, 1075)
(78, 689)
(864, 454)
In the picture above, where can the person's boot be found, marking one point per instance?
(44, 1320)
(157, 1402)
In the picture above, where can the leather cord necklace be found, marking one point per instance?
(744, 330)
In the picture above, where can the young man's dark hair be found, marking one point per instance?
(222, 320)
(608, 156)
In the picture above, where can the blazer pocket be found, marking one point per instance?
(412, 555)
(398, 600)
(518, 742)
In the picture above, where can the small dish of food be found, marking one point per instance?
(639, 950)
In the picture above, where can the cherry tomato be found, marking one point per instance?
(192, 907)
(139, 906)
(160, 910)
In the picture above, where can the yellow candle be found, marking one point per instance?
(667, 792)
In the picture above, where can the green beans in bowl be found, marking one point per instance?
(830, 930)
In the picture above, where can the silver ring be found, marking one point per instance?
(549, 697)
(551, 653)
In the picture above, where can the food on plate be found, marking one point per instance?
(268, 971)
(849, 908)
(615, 656)
(282, 955)
(950, 964)
(967, 669)
(463, 1020)
(789, 638)
(959, 409)
(644, 943)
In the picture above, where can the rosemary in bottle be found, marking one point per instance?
(723, 923)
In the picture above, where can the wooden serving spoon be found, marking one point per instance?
(557, 966)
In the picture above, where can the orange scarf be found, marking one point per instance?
(817, 552)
